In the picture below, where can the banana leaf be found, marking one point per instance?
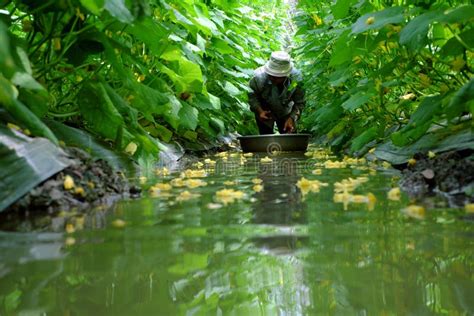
(24, 163)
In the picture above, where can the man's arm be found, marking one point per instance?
(298, 99)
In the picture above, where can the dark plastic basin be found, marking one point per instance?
(274, 142)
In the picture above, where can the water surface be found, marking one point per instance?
(273, 252)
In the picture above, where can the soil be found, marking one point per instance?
(449, 174)
(95, 183)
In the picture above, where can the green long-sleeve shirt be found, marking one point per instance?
(281, 102)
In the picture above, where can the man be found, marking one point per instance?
(277, 96)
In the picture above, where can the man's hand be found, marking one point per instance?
(264, 115)
(289, 126)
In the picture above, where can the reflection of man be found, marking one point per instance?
(276, 95)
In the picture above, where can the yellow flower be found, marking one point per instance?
(209, 162)
(70, 228)
(189, 173)
(248, 155)
(161, 187)
(371, 199)
(257, 181)
(411, 162)
(370, 20)
(307, 186)
(178, 182)
(343, 197)
(229, 182)
(358, 199)
(186, 195)
(131, 148)
(394, 194)
(414, 211)
(469, 208)
(162, 172)
(214, 206)
(80, 191)
(386, 164)
(222, 154)
(334, 164)
(257, 188)
(143, 180)
(198, 165)
(266, 160)
(431, 154)
(119, 223)
(227, 196)
(317, 172)
(68, 182)
(194, 183)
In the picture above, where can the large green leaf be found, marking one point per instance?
(99, 111)
(342, 51)
(188, 116)
(414, 33)
(341, 8)
(24, 163)
(357, 100)
(376, 20)
(363, 139)
(462, 101)
(24, 116)
(119, 10)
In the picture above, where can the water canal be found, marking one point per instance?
(236, 235)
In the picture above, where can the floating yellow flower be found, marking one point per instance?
(189, 173)
(194, 183)
(371, 201)
(68, 182)
(343, 198)
(227, 196)
(178, 182)
(248, 155)
(257, 188)
(317, 171)
(70, 228)
(119, 223)
(307, 186)
(349, 185)
(162, 172)
(414, 211)
(198, 165)
(469, 208)
(143, 179)
(210, 162)
(257, 181)
(186, 195)
(229, 182)
(161, 187)
(334, 164)
(266, 160)
(394, 194)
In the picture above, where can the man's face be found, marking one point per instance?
(277, 80)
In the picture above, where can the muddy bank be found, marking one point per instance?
(85, 184)
(449, 175)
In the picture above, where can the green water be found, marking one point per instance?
(271, 253)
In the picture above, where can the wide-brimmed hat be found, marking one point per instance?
(279, 65)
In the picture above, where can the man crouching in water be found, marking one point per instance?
(277, 95)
